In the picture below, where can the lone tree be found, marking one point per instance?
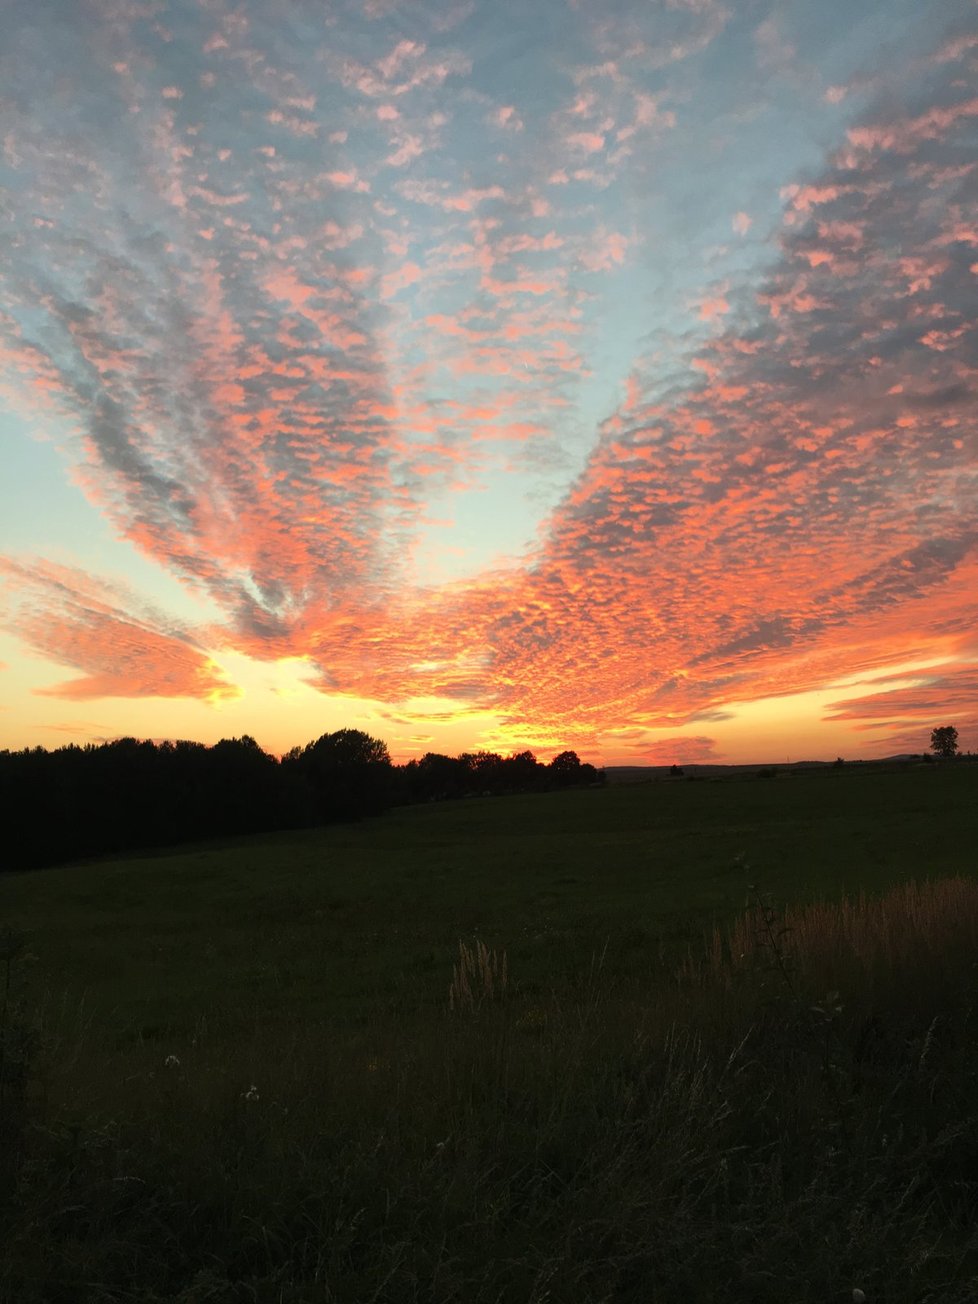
(944, 741)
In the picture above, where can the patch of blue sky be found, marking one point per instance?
(37, 487)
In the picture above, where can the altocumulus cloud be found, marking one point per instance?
(99, 629)
(285, 288)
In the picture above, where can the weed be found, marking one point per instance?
(480, 974)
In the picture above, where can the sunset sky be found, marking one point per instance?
(563, 373)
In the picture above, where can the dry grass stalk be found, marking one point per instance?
(480, 975)
(874, 936)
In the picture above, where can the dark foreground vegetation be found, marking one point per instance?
(480, 1053)
(790, 1116)
(119, 796)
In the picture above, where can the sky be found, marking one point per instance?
(585, 373)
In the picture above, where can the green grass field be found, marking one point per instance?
(231, 1072)
(348, 922)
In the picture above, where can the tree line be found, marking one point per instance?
(118, 796)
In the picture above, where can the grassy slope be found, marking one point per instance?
(351, 921)
(601, 1137)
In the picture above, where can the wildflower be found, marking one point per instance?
(171, 1062)
(251, 1093)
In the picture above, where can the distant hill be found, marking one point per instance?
(646, 773)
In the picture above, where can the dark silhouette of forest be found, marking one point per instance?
(75, 802)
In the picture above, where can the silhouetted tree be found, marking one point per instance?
(242, 785)
(570, 771)
(440, 777)
(117, 796)
(944, 741)
(521, 772)
(353, 747)
(130, 793)
(487, 771)
(565, 769)
(348, 774)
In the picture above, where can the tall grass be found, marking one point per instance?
(789, 1116)
(868, 941)
(480, 974)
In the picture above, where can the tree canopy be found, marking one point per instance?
(128, 793)
(944, 741)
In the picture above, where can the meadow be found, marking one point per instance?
(629, 1044)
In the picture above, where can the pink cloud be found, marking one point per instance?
(943, 691)
(741, 223)
(347, 180)
(295, 126)
(848, 234)
(752, 519)
(955, 49)
(409, 149)
(335, 236)
(805, 197)
(942, 340)
(605, 252)
(468, 200)
(537, 244)
(506, 118)
(393, 282)
(794, 298)
(406, 68)
(774, 50)
(680, 749)
(76, 621)
(647, 111)
(585, 142)
(711, 309)
(902, 135)
(404, 52)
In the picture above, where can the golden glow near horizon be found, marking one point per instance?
(616, 394)
(277, 703)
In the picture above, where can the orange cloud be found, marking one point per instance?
(275, 394)
(78, 622)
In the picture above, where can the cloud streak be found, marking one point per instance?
(124, 648)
